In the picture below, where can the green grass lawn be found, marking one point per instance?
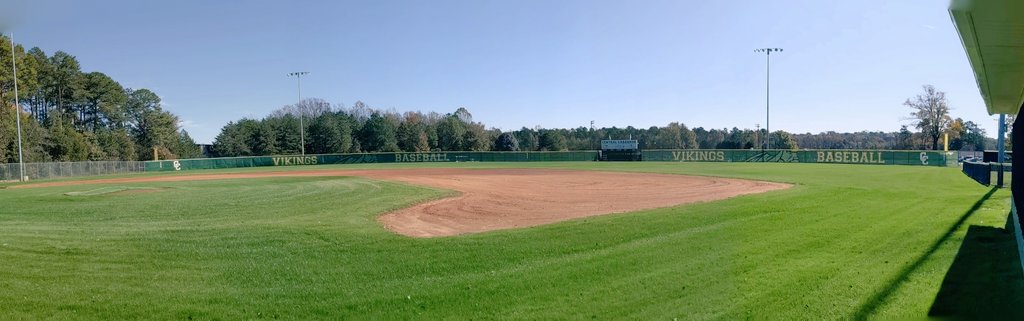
(847, 242)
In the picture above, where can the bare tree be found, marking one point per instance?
(360, 111)
(310, 107)
(931, 112)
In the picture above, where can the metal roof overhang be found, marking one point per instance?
(992, 33)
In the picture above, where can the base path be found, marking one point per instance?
(495, 199)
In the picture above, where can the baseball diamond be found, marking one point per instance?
(540, 196)
(338, 237)
(511, 160)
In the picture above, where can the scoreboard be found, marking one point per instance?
(619, 144)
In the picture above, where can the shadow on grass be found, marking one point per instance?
(985, 281)
(870, 305)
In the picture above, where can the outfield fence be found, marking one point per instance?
(35, 171)
(873, 157)
(918, 158)
(369, 158)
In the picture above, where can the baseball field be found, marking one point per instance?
(550, 240)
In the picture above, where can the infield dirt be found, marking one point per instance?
(495, 199)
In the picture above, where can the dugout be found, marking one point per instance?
(992, 34)
(620, 150)
(992, 156)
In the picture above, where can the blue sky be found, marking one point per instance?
(847, 65)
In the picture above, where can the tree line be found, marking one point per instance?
(337, 129)
(361, 128)
(963, 135)
(71, 115)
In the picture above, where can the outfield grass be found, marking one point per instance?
(848, 241)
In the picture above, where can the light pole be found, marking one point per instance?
(298, 104)
(17, 113)
(758, 138)
(767, 95)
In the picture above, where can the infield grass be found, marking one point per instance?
(847, 242)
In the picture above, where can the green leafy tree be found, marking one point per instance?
(463, 115)
(740, 139)
(325, 136)
(529, 139)
(33, 137)
(451, 133)
(184, 146)
(783, 140)
(6, 74)
(955, 131)
(506, 142)
(973, 137)
(27, 73)
(287, 137)
(96, 152)
(551, 140)
(904, 139)
(65, 144)
(476, 138)
(116, 144)
(137, 102)
(157, 129)
(688, 138)
(412, 132)
(423, 144)
(65, 79)
(39, 83)
(230, 142)
(259, 137)
(150, 126)
(103, 101)
(72, 116)
(378, 134)
(671, 136)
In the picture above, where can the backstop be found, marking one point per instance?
(35, 171)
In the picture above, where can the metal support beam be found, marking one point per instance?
(1001, 142)
(1017, 185)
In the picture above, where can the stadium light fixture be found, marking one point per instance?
(17, 113)
(767, 104)
(759, 138)
(298, 104)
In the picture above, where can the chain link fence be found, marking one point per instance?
(37, 171)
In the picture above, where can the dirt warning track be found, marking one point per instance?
(495, 199)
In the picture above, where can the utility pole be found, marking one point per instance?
(767, 95)
(298, 104)
(17, 113)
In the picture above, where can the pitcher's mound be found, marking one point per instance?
(495, 199)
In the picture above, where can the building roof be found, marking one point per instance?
(992, 33)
